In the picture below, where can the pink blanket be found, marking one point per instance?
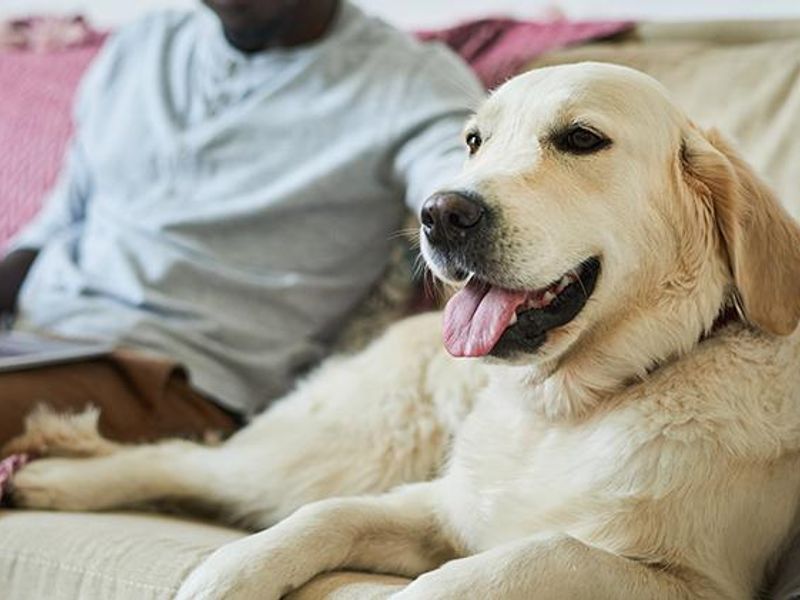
(41, 63)
(40, 67)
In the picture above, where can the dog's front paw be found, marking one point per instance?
(230, 575)
(55, 484)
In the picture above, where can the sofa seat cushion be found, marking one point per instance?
(130, 556)
(107, 555)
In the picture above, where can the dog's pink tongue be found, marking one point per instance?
(476, 317)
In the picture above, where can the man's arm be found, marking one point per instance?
(434, 109)
(63, 209)
(13, 270)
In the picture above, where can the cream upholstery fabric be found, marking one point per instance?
(63, 556)
(126, 556)
(742, 78)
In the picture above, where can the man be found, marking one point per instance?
(227, 199)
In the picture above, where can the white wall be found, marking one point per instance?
(437, 13)
(433, 13)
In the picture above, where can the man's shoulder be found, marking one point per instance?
(154, 25)
(424, 67)
(131, 46)
(403, 50)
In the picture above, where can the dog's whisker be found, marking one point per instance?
(410, 233)
(428, 282)
(736, 299)
(432, 287)
(418, 268)
(580, 281)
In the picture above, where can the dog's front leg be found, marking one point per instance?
(561, 568)
(130, 475)
(394, 533)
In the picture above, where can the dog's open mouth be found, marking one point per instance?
(484, 319)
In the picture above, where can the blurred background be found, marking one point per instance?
(413, 14)
(734, 64)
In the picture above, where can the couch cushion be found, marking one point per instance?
(100, 556)
(126, 556)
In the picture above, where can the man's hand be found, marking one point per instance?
(13, 270)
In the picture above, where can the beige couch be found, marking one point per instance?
(742, 78)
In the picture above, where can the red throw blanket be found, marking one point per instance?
(497, 49)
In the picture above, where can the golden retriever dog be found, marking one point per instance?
(620, 378)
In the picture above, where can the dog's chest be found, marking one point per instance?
(511, 476)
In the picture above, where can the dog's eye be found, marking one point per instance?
(579, 140)
(474, 142)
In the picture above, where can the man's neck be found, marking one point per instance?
(304, 23)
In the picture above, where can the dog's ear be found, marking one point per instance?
(761, 239)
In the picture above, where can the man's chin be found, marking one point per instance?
(246, 31)
(250, 39)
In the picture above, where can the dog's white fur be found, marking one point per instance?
(626, 459)
(360, 424)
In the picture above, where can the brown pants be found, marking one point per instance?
(140, 398)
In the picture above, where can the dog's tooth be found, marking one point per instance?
(564, 282)
(513, 319)
(548, 298)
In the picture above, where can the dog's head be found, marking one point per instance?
(596, 231)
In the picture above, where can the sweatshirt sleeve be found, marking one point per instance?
(64, 207)
(437, 102)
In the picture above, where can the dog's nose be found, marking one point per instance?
(449, 216)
